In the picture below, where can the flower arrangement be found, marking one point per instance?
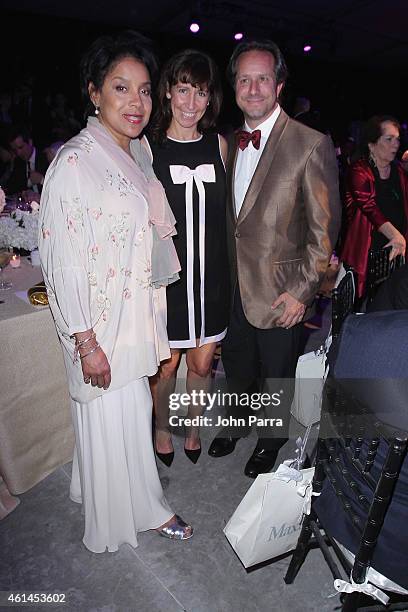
(20, 229)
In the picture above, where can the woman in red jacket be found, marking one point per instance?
(376, 199)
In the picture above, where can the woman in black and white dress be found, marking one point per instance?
(189, 161)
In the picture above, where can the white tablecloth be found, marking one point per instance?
(36, 434)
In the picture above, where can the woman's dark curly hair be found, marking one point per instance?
(372, 131)
(197, 69)
(105, 52)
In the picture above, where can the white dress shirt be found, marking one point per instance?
(247, 160)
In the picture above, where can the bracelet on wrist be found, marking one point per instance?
(91, 351)
(80, 343)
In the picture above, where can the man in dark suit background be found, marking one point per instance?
(302, 112)
(30, 165)
(283, 214)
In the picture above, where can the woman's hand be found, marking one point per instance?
(95, 365)
(396, 239)
(96, 369)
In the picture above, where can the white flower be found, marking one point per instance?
(20, 230)
(2, 200)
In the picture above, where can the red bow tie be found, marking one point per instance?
(244, 138)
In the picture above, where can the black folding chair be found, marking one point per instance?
(343, 301)
(345, 429)
(380, 268)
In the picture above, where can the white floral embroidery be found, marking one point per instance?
(93, 252)
(88, 145)
(140, 236)
(127, 294)
(120, 182)
(92, 279)
(103, 301)
(96, 213)
(145, 281)
(74, 216)
(119, 229)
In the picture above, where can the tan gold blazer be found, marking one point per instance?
(284, 235)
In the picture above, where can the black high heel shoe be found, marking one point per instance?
(166, 458)
(193, 455)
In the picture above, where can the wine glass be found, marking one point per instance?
(5, 256)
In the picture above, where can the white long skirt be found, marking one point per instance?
(114, 473)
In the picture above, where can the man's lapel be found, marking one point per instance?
(263, 166)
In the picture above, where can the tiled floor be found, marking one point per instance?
(41, 550)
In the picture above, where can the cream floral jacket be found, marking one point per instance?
(95, 247)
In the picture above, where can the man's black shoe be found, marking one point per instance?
(261, 461)
(220, 447)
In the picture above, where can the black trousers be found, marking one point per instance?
(259, 361)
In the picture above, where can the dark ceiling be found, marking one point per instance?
(369, 33)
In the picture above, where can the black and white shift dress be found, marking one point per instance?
(193, 175)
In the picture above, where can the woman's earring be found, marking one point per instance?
(96, 110)
(168, 95)
(371, 158)
(208, 104)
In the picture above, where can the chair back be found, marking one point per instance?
(362, 478)
(343, 300)
(379, 268)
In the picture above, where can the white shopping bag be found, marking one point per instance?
(311, 373)
(268, 520)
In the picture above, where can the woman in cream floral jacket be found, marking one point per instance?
(107, 254)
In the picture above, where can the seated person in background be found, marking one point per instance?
(6, 164)
(303, 113)
(52, 150)
(376, 199)
(404, 161)
(371, 364)
(30, 165)
(63, 121)
(393, 293)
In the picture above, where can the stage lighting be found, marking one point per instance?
(194, 27)
(307, 48)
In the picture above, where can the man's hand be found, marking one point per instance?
(293, 312)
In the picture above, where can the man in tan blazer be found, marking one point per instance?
(283, 217)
